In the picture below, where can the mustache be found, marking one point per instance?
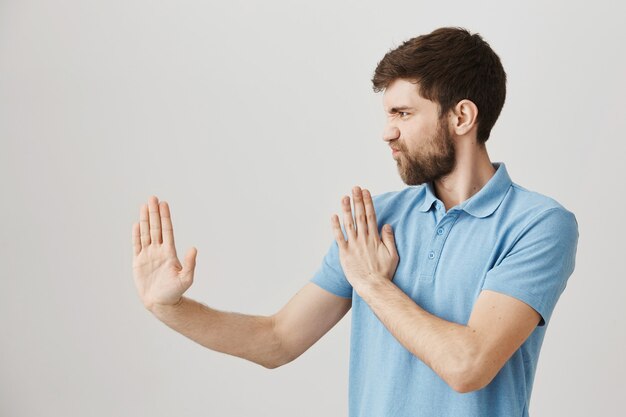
(397, 148)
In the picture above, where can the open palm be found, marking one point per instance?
(159, 276)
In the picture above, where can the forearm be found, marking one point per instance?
(246, 336)
(450, 349)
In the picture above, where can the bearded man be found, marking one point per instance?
(452, 281)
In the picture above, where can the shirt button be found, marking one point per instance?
(440, 231)
(431, 255)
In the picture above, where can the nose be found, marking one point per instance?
(390, 133)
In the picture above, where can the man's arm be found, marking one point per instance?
(468, 356)
(270, 341)
(161, 279)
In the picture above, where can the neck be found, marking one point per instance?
(472, 171)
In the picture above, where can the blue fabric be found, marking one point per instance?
(504, 238)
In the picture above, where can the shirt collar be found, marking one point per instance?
(485, 201)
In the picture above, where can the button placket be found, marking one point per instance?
(434, 251)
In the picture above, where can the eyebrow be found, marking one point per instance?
(400, 108)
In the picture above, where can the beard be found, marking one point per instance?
(433, 161)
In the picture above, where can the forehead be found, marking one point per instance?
(402, 93)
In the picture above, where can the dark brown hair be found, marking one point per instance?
(450, 64)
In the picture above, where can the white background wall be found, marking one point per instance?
(252, 119)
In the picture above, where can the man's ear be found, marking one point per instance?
(463, 117)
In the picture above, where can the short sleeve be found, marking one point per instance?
(330, 274)
(536, 268)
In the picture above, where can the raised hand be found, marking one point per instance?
(365, 257)
(159, 276)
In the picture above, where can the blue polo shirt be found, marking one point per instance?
(504, 238)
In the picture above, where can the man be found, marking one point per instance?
(449, 304)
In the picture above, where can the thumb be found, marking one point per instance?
(388, 238)
(190, 261)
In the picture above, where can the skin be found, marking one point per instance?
(444, 151)
(466, 356)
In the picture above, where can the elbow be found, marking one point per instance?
(270, 365)
(276, 363)
(277, 355)
(471, 371)
(269, 362)
(278, 358)
(464, 386)
(468, 374)
(469, 380)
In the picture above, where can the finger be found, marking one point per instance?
(155, 220)
(339, 237)
(190, 263)
(348, 223)
(389, 239)
(144, 226)
(370, 214)
(359, 212)
(166, 224)
(136, 239)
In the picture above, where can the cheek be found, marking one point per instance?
(415, 139)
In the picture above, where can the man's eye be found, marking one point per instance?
(403, 113)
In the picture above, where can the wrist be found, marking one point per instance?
(367, 288)
(160, 309)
